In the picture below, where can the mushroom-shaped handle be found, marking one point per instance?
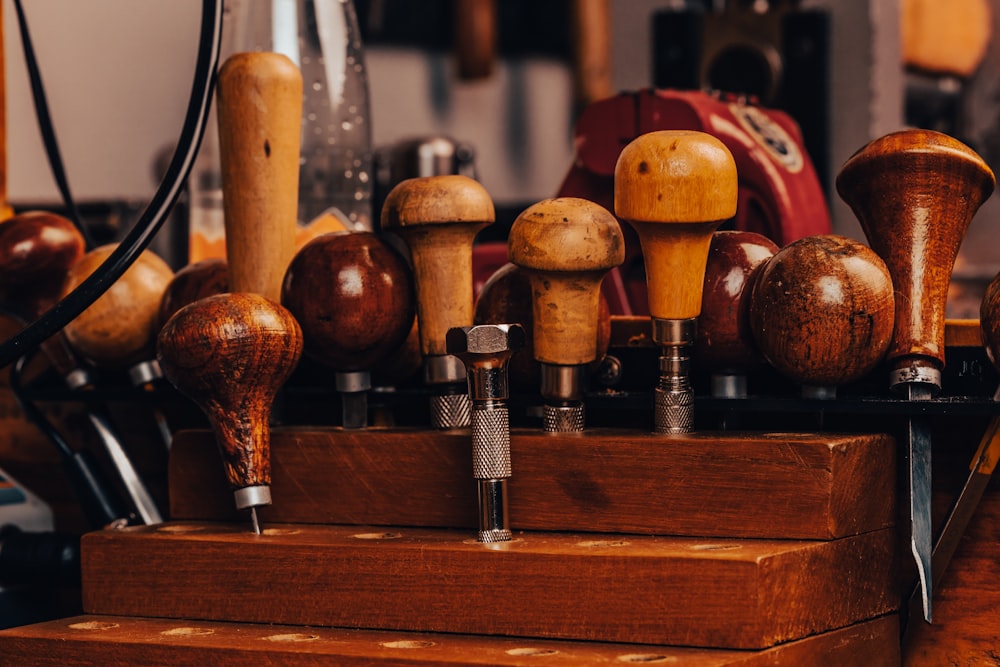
(193, 282)
(231, 353)
(915, 193)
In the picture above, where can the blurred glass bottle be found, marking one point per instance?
(335, 179)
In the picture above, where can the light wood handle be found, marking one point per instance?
(260, 115)
(591, 21)
(675, 187)
(438, 217)
(566, 246)
(915, 193)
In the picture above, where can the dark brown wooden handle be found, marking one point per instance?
(231, 353)
(195, 281)
(724, 341)
(260, 116)
(475, 38)
(566, 246)
(438, 217)
(675, 187)
(5, 210)
(353, 296)
(821, 310)
(989, 321)
(119, 329)
(915, 193)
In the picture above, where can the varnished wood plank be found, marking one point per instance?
(117, 640)
(685, 591)
(800, 486)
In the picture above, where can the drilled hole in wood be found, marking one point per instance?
(377, 536)
(93, 625)
(292, 637)
(187, 632)
(715, 547)
(407, 643)
(179, 528)
(532, 651)
(645, 657)
(602, 543)
(281, 531)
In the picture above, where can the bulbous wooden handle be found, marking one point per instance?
(260, 116)
(353, 297)
(915, 193)
(119, 329)
(37, 249)
(724, 341)
(231, 353)
(195, 281)
(438, 217)
(565, 246)
(675, 187)
(821, 310)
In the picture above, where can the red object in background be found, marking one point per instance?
(780, 195)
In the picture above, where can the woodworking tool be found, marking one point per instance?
(352, 295)
(231, 353)
(675, 187)
(723, 343)
(915, 193)
(118, 331)
(486, 350)
(438, 217)
(37, 250)
(565, 246)
(821, 311)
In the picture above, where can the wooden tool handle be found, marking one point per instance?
(821, 310)
(591, 50)
(566, 246)
(5, 210)
(260, 116)
(724, 340)
(438, 217)
(989, 321)
(195, 281)
(915, 193)
(119, 329)
(230, 353)
(475, 38)
(675, 187)
(353, 296)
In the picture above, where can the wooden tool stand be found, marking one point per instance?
(708, 549)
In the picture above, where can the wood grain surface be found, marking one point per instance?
(119, 640)
(695, 592)
(721, 484)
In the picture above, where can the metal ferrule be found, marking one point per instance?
(915, 371)
(823, 392)
(493, 516)
(674, 332)
(563, 418)
(352, 382)
(145, 372)
(490, 441)
(252, 496)
(562, 383)
(729, 385)
(79, 378)
(443, 369)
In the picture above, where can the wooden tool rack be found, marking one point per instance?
(756, 547)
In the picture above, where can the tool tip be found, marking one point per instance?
(254, 522)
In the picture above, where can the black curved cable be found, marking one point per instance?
(45, 126)
(155, 213)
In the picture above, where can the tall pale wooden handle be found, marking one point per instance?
(260, 115)
(675, 187)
